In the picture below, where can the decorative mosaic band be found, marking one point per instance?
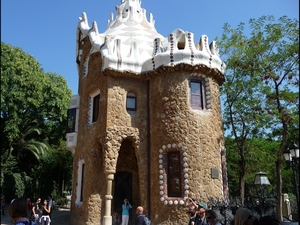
(162, 183)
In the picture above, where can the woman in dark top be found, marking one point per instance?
(46, 209)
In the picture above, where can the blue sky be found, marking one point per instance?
(46, 29)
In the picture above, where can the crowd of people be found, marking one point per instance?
(199, 214)
(23, 212)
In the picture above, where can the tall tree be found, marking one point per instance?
(261, 91)
(33, 109)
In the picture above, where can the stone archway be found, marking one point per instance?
(119, 144)
(126, 182)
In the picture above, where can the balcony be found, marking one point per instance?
(71, 141)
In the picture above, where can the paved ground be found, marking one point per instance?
(59, 216)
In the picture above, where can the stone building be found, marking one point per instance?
(146, 124)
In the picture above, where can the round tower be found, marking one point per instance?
(146, 124)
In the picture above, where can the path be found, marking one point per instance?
(60, 216)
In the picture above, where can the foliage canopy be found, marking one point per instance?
(33, 114)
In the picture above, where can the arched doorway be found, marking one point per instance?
(126, 182)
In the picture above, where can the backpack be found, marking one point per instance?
(146, 220)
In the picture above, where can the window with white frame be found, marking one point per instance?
(80, 182)
(94, 107)
(173, 176)
(71, 120)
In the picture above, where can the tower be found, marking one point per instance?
(146, 124)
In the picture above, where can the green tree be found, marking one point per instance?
(261, 91)
(56, 170)
(33, 111)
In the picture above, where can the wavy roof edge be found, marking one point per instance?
(131, 43)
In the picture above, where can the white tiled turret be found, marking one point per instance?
(131, 43)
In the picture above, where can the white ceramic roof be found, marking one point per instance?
(132, 43)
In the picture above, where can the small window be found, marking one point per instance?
(71, 120)
(174, 175)
(80, 183)
(95, 112)
(197, 92)
(131, 102)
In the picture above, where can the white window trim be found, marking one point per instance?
(79, 182)
(91, 106)
(162, 175)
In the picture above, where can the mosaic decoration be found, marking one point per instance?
(171, 39)
(129, 43)
(155, 51)
(162, 173)
(191, 48)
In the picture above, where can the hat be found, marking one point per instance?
(195, 199)
(203, 205)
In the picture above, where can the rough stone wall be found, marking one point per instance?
(171, 121)
(89, 145)
(122, 125)
(200, 132)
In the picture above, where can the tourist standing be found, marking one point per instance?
(212, 217)
(51, 204)
(46, 210)
(201, 217)
(36, 210)
(125, 212)
(140, 216)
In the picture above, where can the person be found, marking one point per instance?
(125, 212)
(36, 210)
(18, 212)
(192, 216)
(2, 204)
(46, 209)
(29, 208)
(200, 217)
(212, 217)
(192, 204)
(116, 218)
(192, 213)
(243, 216)
(50, 203)
(140, 216)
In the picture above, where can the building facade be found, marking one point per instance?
(146, 124)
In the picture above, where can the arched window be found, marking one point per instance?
(131, 102)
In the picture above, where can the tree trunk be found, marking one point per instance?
(279, 188)
(242, 177)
